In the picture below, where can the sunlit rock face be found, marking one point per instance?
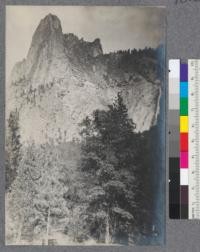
(64, 79)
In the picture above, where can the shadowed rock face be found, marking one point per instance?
(64, 78)
(48, 29)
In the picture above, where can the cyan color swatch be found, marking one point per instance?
(184, 89)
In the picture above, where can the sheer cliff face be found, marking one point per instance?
(64, 79)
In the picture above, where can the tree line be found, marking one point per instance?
(99, 187)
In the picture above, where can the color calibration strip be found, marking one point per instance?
(178, 139)
(184, 139)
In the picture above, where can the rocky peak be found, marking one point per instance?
(71, 37)
(71, 40)
(53, 21)
(81, 48)
(48, 27)
(47, 34)
(97, 47)
(46, 47)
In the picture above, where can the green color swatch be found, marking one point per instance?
(184, 106)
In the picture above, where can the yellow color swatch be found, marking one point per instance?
(183, 124)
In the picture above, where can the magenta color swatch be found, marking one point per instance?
(184, 160)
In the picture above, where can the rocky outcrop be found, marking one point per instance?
(64, 78)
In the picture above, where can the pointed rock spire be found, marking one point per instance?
(48, 26)
(49, 32)
(46, 47)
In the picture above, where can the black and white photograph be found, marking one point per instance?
(85, 125)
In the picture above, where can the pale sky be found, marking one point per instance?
(117, 27)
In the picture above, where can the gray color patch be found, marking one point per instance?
(174, 101)
(173, 117)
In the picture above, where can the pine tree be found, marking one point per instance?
(21, 195)
(108, 160)
(37, 194)
(13, 147)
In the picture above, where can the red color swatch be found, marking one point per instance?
(184, 142)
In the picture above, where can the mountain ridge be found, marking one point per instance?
(64, 78)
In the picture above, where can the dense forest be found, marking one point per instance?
(100, 189)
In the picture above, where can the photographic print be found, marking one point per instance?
(85, 125)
